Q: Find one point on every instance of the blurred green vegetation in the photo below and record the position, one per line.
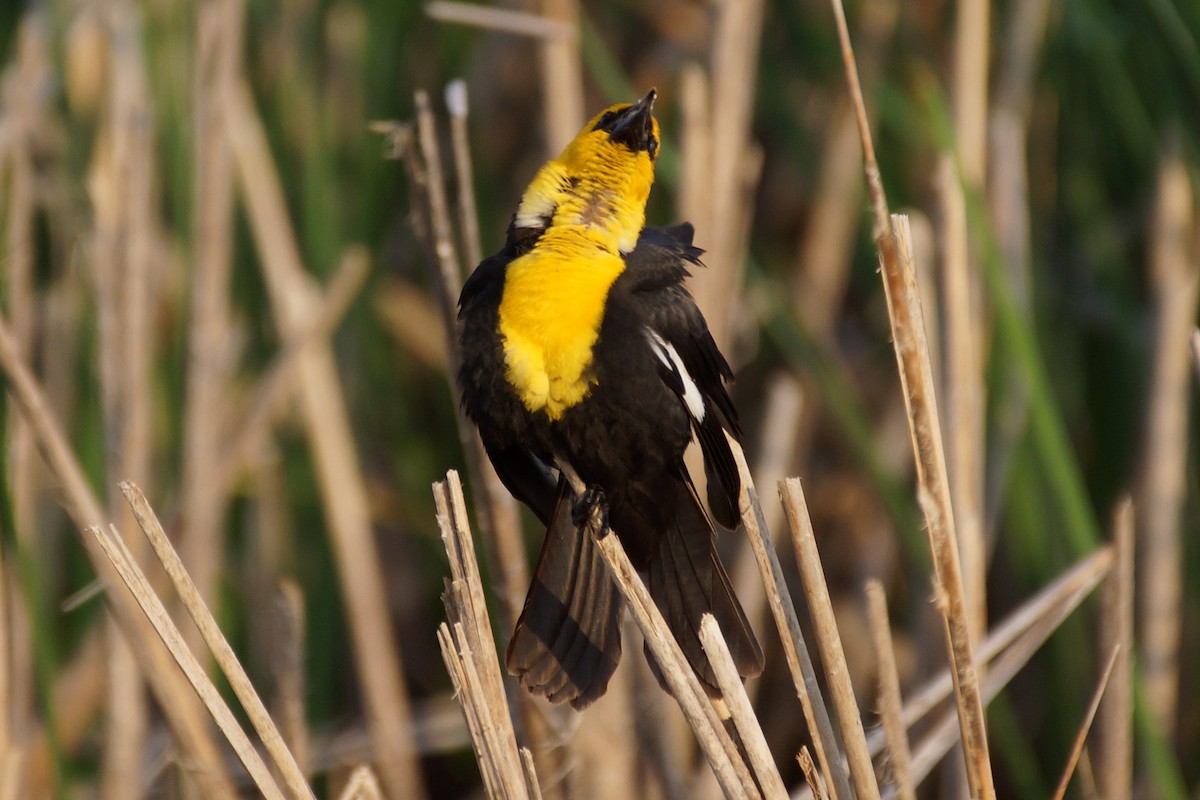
(1116, 83)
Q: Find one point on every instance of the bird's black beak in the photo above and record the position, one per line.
(635, 127)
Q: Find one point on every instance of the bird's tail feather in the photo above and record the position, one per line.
(568, 640)
(687, 581)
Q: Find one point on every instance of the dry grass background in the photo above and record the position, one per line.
(218, 294)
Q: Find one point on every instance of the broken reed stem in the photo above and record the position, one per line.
(531, 782)
(811, 776)
(327, 426)
(239, 681)
(742, 712)
(1162, 483)
(122, 561)
(837, 672)
(1115, 752)
(722, 755)
(1081, 737)
(498, 759)
(891, 706)
(184, 715)
(469, 649)
(804, 675)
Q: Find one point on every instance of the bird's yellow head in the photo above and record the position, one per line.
(599, 184)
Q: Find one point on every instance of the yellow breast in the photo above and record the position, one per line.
(550, 317)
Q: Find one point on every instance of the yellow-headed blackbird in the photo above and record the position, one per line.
(581, 345)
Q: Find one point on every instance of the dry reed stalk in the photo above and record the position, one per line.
(916, 377)
(470, 652)
(123, 195)
(829, 641)
(522, 23)
(1115, 754)
(895, 733)
(287, 670)
(377, 655)
(1162, 483)
(765, 772)
(135, 580)
(562, 76)
(804, 675)
(210, 356)
(413, 321)
(1081, 737)
(1008, 180)
(966, 397)
(811, 776)
(972, 48)
(457, 103)
(496, 510)
(244, 427)
(912, 356)
(239, 681)
(714, 740)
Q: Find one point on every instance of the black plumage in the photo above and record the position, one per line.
(655, 365)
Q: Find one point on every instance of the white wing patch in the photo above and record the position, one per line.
(669, 356)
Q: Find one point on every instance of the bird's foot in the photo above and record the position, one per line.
(591, 501)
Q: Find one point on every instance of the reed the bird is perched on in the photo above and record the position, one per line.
(581, 348)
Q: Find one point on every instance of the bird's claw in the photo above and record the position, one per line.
(591, 501)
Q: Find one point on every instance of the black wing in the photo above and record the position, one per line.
(690, 362)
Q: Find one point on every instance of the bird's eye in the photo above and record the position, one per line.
(652, 148)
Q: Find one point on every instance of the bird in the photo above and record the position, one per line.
(582, 350)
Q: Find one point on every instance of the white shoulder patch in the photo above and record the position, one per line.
(669, 356)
